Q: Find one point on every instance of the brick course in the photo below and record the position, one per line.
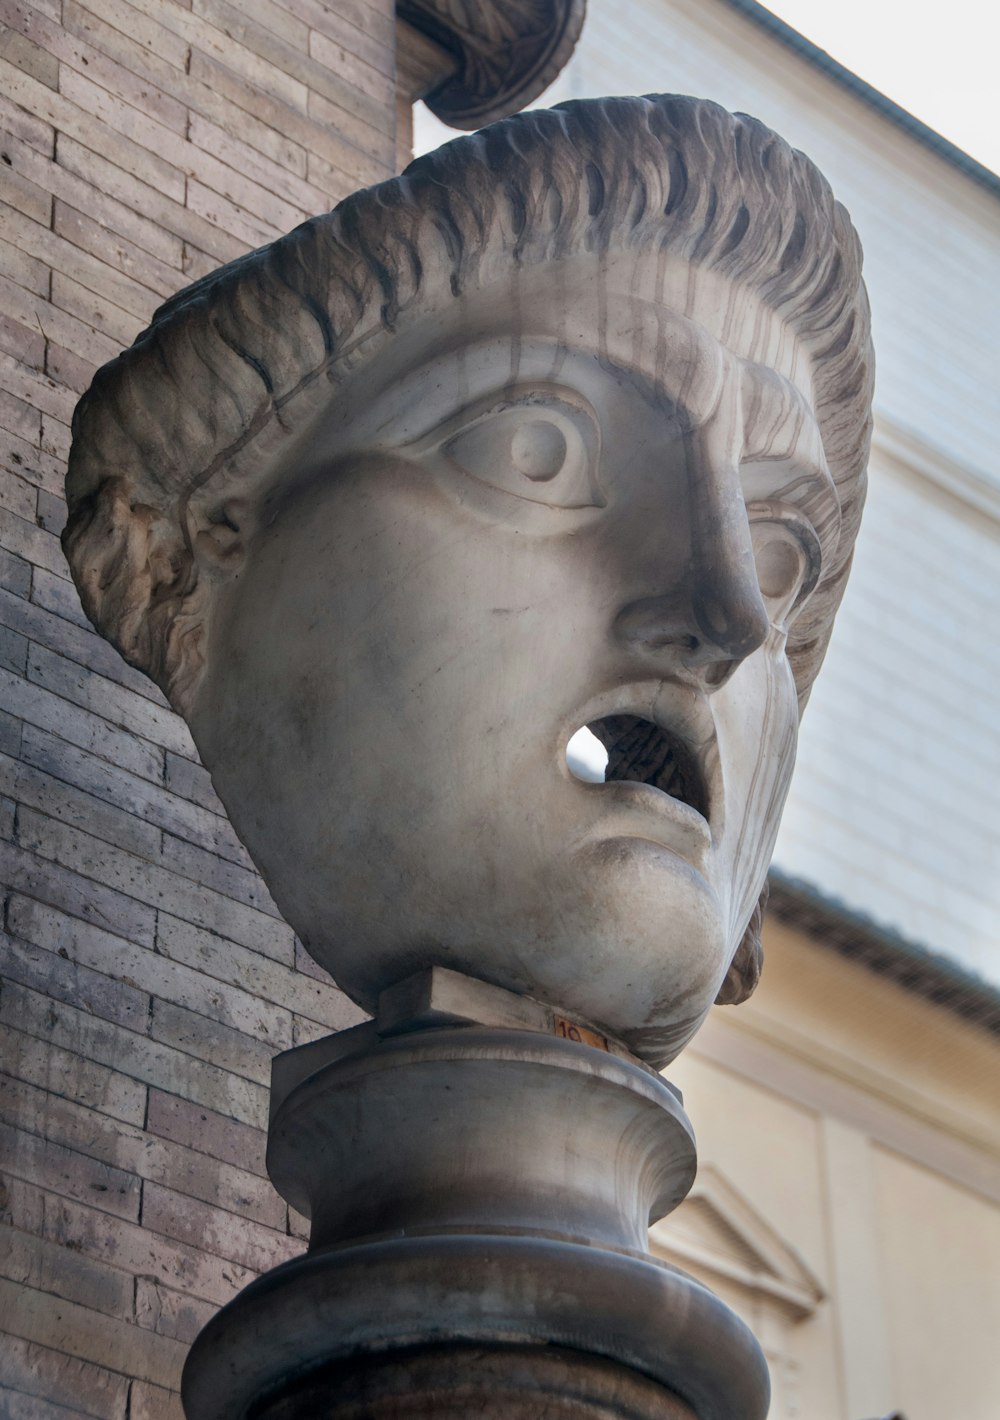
(147, 977)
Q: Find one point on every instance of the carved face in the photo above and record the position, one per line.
(514, 523)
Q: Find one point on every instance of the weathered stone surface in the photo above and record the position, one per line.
(476, 1188)
(503, 55)
(459, 1384)
(523, 443)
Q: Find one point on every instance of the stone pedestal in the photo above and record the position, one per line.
(480, 1173)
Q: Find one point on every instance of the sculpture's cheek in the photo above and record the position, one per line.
(757, 716)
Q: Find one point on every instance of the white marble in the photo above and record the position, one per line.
(578, 441)
(420, 624)
(479, 1177)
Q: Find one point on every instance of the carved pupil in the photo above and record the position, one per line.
(538, 450)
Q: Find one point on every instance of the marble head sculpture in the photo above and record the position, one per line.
(566, 426)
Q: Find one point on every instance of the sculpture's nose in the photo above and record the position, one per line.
(708, 615)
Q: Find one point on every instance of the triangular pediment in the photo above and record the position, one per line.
(719, 1232)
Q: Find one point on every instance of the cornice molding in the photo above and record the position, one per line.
(783, 1060)
(837, 927)
(894, 442)
(927, 137)
(507, 52)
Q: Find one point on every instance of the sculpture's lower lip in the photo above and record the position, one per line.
(628, 809)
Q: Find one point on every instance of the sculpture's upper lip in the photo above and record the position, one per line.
(664, 782)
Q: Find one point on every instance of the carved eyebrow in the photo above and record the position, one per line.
(525, 394)
(473, 372)
(782, 436)
(779, 426)
(777, 419)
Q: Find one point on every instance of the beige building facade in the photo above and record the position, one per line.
(849, 1200)
(851, 1129)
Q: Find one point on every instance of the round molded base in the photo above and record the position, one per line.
(468, 1383)
(466, 1295)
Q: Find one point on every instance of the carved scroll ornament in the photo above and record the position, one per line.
(508, 53)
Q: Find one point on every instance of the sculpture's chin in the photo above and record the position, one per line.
(655, 925)
(626, 936)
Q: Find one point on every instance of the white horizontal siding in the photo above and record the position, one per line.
(895, 805)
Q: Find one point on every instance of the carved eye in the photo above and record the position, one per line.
(788, 557)
(541, 448)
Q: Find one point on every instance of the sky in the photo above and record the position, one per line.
(940, 61)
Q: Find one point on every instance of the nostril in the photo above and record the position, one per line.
(735, 627)
(656, 624)
(655, 640)
(727, 622)
(716, 673)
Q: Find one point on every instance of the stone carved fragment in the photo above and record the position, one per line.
(506, 51)
(566, 426)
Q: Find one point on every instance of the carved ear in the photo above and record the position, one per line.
(745, 968)
(219, 534)
(139, 584)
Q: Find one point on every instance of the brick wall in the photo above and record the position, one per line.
(147, 978)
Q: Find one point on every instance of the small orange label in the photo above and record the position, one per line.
(569, 1030)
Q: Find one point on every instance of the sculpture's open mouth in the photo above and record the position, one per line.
(639, 751)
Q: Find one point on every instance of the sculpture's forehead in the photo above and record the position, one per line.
(680, 331)
(613, 330)
(647, 353)
(660, 315)
(644, 380)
